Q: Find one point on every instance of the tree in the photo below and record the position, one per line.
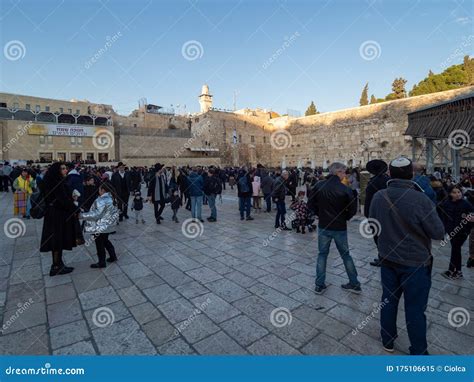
(398, 88)
(364, 97)
(373, 99)
(468, 64)
(430, 73)
(311, 110)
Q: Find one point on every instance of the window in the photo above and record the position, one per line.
(134, 125)
(61, 110)
(46, 157)
(79, 140)
(46, 108)
(103, 157)
(252, 139)
(76, 157)
(78, 111)
(90, 156)
(62, 157)
(42, 139)
(69, 111)
(240, 138)
(50, 139)
(37, 108)
(28, 106)
(73, 141)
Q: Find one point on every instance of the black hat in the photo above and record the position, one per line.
(401, 168)
(120, 164)
(158, 166)
(376, 166)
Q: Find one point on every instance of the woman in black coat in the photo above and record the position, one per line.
(59, 220)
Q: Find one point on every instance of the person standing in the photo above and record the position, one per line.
(122, 186)
(58, 232)
(267, 188)
(456, 215)
(408, 222)
(423, 181)
(244, 193)
(378, 169)
(196, 193)
(212, 188)
(334, 204)
(75, 181)
(279, 195)
(24, 186)
(100, 222)
(158, 192)
(7, 170)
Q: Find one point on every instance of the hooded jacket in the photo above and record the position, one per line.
(102, 217)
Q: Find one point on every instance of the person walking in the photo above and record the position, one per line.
(158, 192)
(279, 195)
(196, 193)
(58, 232)
(334, 204)
(100, 222)
(408, 222)
(212, 188)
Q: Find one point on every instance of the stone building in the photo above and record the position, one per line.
(35, 127)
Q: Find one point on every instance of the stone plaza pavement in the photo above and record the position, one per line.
(222, 292)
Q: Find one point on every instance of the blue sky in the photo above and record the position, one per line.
(273, 54)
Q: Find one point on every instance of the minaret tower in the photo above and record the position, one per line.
(205, 99)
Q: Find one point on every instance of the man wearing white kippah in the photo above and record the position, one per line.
(408, 222)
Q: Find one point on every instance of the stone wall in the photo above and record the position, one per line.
(354, 136)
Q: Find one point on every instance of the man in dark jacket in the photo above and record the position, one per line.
(267, 189)
(408, 222)
(378, 168)
(195, 183)
(212, 188)
(122, 185)
(334, 204)
(75, 181)
(279, 195)
(244, 192)
(158, 192)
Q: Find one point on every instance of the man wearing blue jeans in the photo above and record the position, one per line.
(196, 193)
(407, 221)
(279, 195)
(244, 192)
(334, 204)
(212, 188)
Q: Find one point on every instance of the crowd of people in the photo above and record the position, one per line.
(410, 209)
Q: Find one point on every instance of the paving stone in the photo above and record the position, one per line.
(204, 275)
(26, 315)
(58, 294)
(106, 315)
(177, 310)
(274, 297)
(21, 293)
(32, 341)
(227, 289)
(243, 330)
(98, 297)
(197, 329)
(79, 348)
(172, 275)
(119, 281)
(124, 337)
(214, 307)
(64, 312)
(160, 331)
(323, 344)
(279, 284)
(175, 347)
(271, 345)
(192, 289)
(68, 334)
(148, 282)
(241, 279)
(160, 294)
(144, 313)
(136, 270)
(131, 296)
(84, 282)
(217, 344)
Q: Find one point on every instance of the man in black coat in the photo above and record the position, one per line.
(378, 168)
(122, 185)
(158, 192)
(334, 204)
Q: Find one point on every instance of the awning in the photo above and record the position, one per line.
(439, 121)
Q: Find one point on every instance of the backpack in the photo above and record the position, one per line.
(38, 205)
(243, 184)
